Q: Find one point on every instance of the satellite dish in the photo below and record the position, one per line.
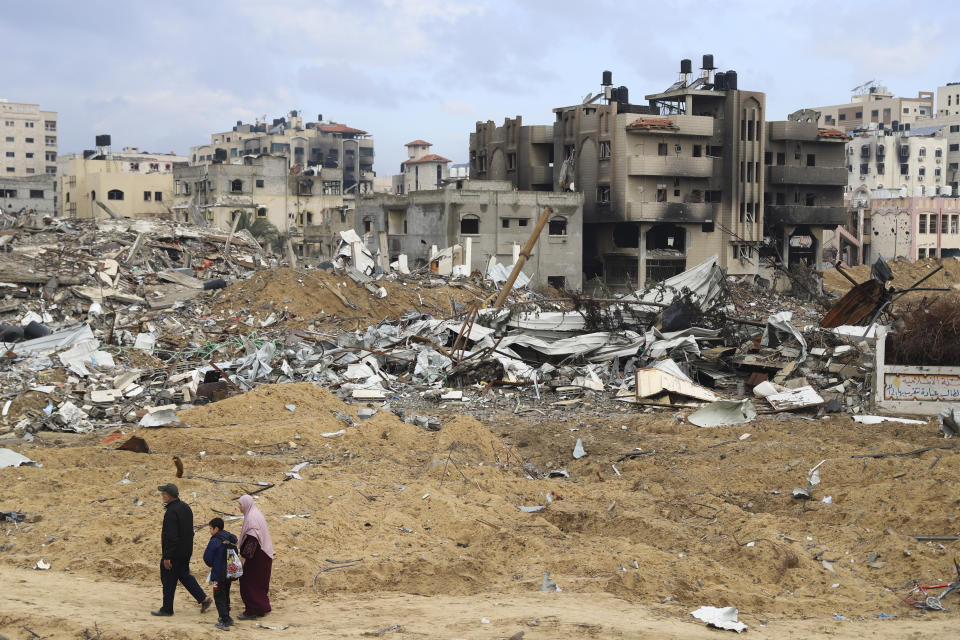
(587, 98)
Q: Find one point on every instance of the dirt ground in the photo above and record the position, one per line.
(305, 296)
(659, 518)
(905, 274)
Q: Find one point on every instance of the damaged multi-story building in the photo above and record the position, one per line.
(299, 204)
(307, 191)
(695, 171)
(488, 219)
(331, 145)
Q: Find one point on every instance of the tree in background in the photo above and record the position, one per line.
(262, 229)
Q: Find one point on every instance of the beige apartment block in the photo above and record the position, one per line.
(422, 170)
(304, 144)
(872, 103)
(516, 152)
(305, 206)
(131, 183)
(28, 140)
(948, 100)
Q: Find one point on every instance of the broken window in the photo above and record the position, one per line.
(557, 282)
(922, 223)
(147, 196)
(523, 221)
(604, 149)
(954, 224)
(781, 198)
(944, 224)
(666, 237)
(36, 193)
(511, 161)
(698, 151)
(115, 194)
(158, 196)
(811, 199)
(262, 212)
(558, 226)
(603, 193)
(768, 157)
(781, 158)
(662, 149)
(236, 186)
(259, 183)
(505, 223)
(661, 194)
(470, 225)
(626, 235)
(921, 253)
(811, 160)
(880, 168)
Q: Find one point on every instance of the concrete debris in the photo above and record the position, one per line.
(10, 458)
(720, 618)
(723, 412)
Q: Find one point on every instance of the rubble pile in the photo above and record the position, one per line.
(150, 318)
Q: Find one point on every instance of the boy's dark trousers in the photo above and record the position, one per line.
(221, 597)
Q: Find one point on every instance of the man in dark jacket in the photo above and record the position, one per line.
(176, 541)
(215, 556)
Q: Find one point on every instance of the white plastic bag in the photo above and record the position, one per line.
(234, 566)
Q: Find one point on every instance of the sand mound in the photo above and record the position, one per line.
(436, 513)
(905, 274)
(308, 296)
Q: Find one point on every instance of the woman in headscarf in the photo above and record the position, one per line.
(256, 553)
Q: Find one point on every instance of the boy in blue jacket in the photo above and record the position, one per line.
(215, 556)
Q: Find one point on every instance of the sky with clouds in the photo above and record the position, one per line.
(165, 75)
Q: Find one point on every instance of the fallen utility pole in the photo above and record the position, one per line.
(524, 255)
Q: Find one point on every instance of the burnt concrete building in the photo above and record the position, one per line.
(669, 183)
(521, 154)
(493, 217)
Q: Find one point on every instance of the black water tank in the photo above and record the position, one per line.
(708, 61)
(103, 140)
(720, 81)
(686, 66)
(732, 80)
(88, 153)
(623, 95)
(607, 78)
(239, 123)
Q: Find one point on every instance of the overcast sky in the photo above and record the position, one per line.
(165, 75)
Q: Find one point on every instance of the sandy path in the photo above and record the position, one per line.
(119, 610)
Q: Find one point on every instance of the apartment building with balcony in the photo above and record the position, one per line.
(305, 206)
(305, 144)
(915, 158)
(422, 170)
(670, 183)
(490, 216)
(130, 183)
(28, 140)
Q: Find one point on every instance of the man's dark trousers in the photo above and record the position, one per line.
(179, 572)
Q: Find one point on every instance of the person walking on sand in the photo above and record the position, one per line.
(176, 542)
(256, 554)
(215, 557)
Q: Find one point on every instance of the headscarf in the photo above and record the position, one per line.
(255, 525)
